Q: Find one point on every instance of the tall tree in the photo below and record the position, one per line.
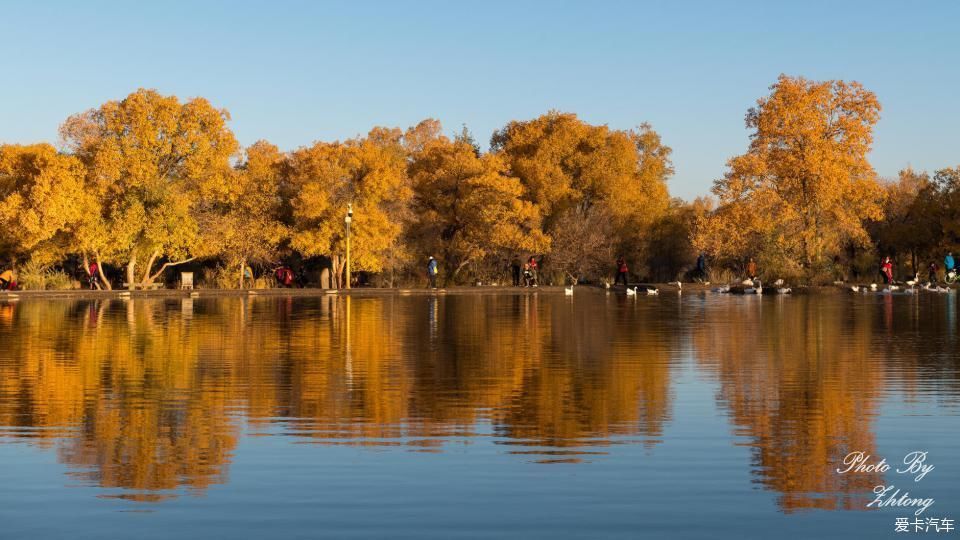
(804, 187)
(948, 185)
(570, 166)
(467, 208)
(150, 159)
(911, 224)
(369, 174)
(243, 218)
(42, 201)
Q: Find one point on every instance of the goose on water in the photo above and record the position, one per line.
(873, 286)
(914, 281)
(722, 289)
(568, 290)
(677, 284)
(855, 288)
(631, 292)
(783, 290)
(652, 291)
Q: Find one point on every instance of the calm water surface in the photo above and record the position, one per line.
(533, 416)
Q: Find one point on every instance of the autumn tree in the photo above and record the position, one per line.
(242, 217)
(804, 187)
(42, 199)
(911, 224)
(467, 208)
(367, 173)
(672, 248)
(150, 158)
(947, 182)
(571, 167)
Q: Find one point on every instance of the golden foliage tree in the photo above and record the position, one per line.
(467, 207)
(370, 174)
(150, 159)
(570, 166)
(42, 200)
(243, 216)
(804, 187)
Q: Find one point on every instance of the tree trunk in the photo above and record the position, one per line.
(339, 264)
(103, 277)
(456, 271)
(132, 272)
(146, 270)
(243, 264)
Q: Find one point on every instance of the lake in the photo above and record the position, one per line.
(476, 415)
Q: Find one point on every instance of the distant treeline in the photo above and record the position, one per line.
(151, 183)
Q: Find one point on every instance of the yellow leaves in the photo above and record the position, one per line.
(467, 207)
(41, 194)
(804, 186)
(150, 161)
(568, 165)
(370, 174)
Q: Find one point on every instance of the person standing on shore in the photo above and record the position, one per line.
(93, 275)
(886, 268)
(534, 270)
(622, 271)
(515, 269)
(948, 262)
(932, 274)
(432, 272)
(702, 267)
(752, 269)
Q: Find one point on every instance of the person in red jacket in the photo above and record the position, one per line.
(887, 269)
(534, 271)
(622, 271)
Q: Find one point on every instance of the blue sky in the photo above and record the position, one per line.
(296, 72)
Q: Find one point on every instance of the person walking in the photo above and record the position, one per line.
(93, 275)
(702, 267)
(432, 272)
(515, 268)
(622, 271)
(887, 270)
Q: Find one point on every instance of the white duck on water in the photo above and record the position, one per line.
(568, 290)
(631, 292)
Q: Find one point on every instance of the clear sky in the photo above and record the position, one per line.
(296, 72)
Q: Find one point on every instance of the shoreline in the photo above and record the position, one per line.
(84, 294)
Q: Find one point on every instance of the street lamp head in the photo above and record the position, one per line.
(349, 217)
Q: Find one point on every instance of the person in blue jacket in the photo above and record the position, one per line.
(432, 272)
(948, 262)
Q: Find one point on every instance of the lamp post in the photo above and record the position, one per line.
(347, 221)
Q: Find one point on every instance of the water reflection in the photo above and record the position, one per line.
(145, 397)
